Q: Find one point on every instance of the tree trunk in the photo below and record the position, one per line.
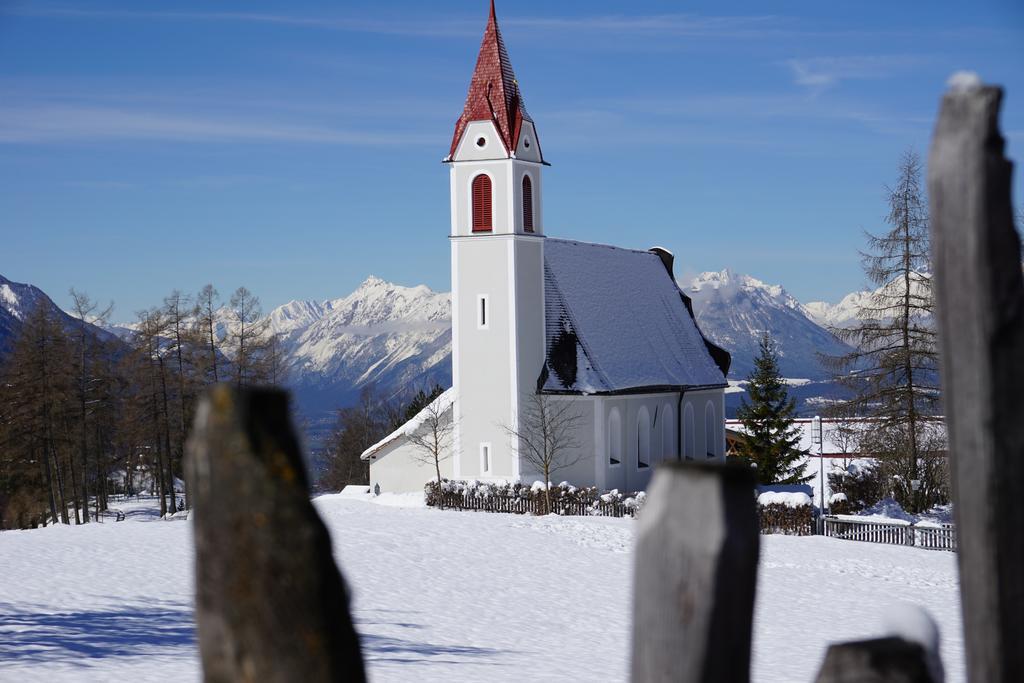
(158, 442)
(49, 485)
(167, 439)
(83, 444)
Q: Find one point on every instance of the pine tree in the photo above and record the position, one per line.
(768, 420)
(420, 401)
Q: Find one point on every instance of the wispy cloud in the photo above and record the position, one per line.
(678, 25)
(822, 72)
(672, 25)
(43, 124)
(426, 28)
(681, 25)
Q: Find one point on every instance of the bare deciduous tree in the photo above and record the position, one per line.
(206, 309)
(432, 438)
(247, 336)
(546, 435)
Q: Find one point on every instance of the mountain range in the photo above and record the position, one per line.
(17, 300)
(399, 338)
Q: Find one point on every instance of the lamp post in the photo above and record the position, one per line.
(816, 440)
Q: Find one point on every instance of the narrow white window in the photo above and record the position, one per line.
(614, 438)
(485, 458)
(643, 439)
(689, 441)
(711, 431)
(483, 313)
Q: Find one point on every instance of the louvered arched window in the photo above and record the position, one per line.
(527, 204)
(482, 204)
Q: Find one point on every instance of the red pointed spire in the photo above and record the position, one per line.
(493, 92)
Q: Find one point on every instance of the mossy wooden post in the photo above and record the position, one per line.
(695, 575)
(976, 260)
(270, 603)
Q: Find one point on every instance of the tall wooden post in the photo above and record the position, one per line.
(695, 575)
(980, 308)
(271, 604)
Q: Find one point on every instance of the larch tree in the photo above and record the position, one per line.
(206, 324)
(247, 336)
(771, 437)
(149, 343)
(176, 310)
(88, 350)
(893, 370)
(38, 390)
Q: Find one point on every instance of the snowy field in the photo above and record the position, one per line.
(441, 595)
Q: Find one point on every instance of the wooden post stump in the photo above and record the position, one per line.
(979, 292)
(270, 603)
(882, 660)
(695, 575)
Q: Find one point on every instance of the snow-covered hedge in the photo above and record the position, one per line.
(566, 499)
(790, 513)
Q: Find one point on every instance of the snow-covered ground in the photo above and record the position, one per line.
(441, 595)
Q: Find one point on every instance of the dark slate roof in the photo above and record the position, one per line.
(616, 322)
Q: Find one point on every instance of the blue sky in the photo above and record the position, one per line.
(295, 148)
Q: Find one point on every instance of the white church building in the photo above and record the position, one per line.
(606, 328)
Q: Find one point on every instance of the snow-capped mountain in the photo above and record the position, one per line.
(17, 300)
(384, 334)
(847, 312)
(734, 310)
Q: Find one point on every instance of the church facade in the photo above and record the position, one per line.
(539, 319)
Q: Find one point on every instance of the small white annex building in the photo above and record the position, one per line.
(604, 327)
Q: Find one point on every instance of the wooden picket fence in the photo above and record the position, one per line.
(929, 537)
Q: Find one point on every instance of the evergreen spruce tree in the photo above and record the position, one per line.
(768, 420)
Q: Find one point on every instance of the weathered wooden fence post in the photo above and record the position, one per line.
(980, 308)
(695, 575)
(270, 603)
(881, 660)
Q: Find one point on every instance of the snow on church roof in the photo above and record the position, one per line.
(441, 404)
(616, 322)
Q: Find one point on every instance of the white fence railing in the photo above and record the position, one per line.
(928, 536)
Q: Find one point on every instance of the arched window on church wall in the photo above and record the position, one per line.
(710, 431)
(643, 438)
(614, 438)
(668, 435)
(482, 204)
(527, 204)
(689, 440)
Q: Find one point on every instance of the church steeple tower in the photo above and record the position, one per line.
(497, 242)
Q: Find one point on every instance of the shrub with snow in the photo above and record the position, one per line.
(566, 499)
(861, 482)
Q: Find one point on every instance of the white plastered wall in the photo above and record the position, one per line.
(398, 468)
